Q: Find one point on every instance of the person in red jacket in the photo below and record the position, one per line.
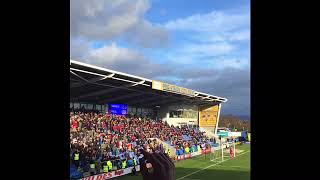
(74, 124)
(231, 153)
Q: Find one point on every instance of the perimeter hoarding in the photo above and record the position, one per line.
(111, 174)
(223, 134)
(234, 134)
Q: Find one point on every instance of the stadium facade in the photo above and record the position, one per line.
(97, 88)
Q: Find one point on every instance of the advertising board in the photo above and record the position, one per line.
(234, 134)
(112, 174)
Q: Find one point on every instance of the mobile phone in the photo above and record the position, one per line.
(148, 165)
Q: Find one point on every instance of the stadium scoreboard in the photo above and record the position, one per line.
(118, 109)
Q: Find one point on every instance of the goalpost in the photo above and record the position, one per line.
(222, 152)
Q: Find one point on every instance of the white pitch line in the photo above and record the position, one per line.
(207, 167)
(232, 166)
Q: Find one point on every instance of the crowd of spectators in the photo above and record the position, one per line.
(103, 142)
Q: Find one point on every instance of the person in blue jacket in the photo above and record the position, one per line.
(74, 173)
(130, 163)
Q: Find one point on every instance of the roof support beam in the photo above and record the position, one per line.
(112, 77)
(110, 89)
(107, 70)
(90, 81)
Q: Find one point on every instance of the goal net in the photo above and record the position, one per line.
(225, 151)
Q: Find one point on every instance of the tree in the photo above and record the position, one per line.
(231, 121)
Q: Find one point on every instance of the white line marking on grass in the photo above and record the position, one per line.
(208, 167)
(232, 166)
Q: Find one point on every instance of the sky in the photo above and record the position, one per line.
(203, 45)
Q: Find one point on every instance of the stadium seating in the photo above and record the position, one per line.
(102, 137)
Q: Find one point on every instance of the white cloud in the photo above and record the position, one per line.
(79, 48)
(125, 60)
(222, 63)
(216, 21)
(209, 49)
(111, 54)
(213, 27)
(105, 18)
(240, 35)
(213, 38)
(110, 19)
(192, 53)
(237, 35)
(152, 36)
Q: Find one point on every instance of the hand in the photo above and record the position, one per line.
(162, 167)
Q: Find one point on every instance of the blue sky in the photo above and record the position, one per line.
(166, 10)
(199, 44)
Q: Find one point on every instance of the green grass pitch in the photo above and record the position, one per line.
(202, 168)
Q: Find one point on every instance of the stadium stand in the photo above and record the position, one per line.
(98, 138)
(157, 116)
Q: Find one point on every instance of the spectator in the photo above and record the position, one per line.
(99, 138)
